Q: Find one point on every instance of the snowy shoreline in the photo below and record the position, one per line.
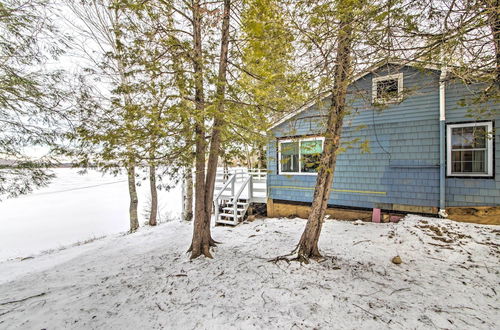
(73, 208)
(145, 280)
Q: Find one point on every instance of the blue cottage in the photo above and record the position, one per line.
(414, 140)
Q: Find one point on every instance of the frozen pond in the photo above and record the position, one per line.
(74, 208)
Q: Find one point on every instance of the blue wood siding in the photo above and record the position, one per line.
(402, 166)
(477, 191)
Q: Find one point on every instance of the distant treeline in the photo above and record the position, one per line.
(6, 163)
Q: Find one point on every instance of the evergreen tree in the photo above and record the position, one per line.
(158, 60)
(464, 35)
(108, 131)
(270, 80)
(340, 39)
(31, 97)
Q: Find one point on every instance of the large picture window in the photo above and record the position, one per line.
(300, 156)
(470, 149)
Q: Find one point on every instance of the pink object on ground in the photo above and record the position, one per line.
(376, 215)
(395, 218)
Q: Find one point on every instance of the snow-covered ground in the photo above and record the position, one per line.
(448, 279)
(71, 209)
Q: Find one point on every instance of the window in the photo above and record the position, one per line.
(300, 156)
(289, 157)
(310, 152)
(387, 89)
(470, 149)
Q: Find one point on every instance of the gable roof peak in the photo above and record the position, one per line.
(367, 71)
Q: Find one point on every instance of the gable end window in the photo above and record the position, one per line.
(387, 89)
(470, 149)
(299, 156)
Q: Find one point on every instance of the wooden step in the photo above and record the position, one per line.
(227, 222)
(231, 209)
(238, 203)
(230, 215)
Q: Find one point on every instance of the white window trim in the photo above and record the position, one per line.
(399, 77)
(489, 149)
(299, 140)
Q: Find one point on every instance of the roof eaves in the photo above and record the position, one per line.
(305, 106)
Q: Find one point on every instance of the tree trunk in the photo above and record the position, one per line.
(201, 232)
(226, 170)
(262, 156)
(308, 244)
(154, 196)
(130, 158)
(249, 157)
(215, 141)
(202, 239)
(188, 199)
(134, 220)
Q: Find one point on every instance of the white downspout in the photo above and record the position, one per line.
(442, 143)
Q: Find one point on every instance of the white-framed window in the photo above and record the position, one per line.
(300, 155)
(387, 89)
(470, 149)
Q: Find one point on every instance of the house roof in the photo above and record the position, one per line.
(372, 69)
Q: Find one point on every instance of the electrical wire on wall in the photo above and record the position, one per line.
(376, 136)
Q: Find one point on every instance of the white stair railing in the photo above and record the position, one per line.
(217, 196)
(234, 210)
(238, 194)
(258, 173)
